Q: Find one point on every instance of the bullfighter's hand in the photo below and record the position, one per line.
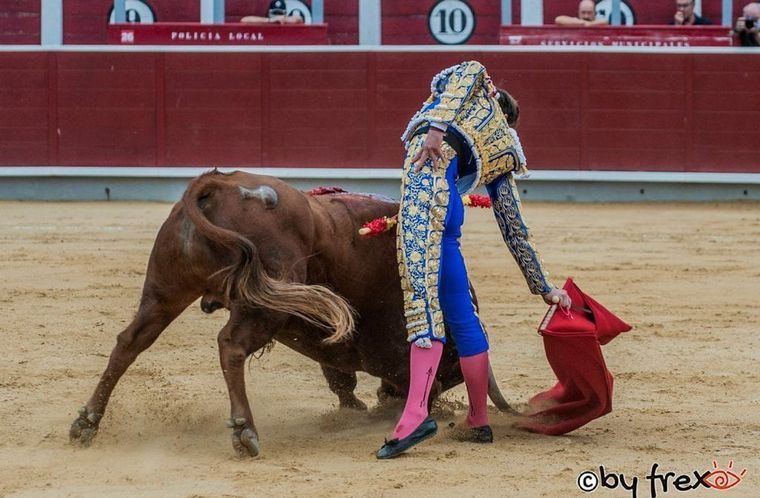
(558, 296)
(431, 149)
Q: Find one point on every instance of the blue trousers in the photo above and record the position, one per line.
(453, 287)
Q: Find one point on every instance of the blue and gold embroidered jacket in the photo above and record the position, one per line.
(463, 100)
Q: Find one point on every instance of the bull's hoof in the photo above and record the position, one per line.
(386, 393)
(353, 403)
(85, 427)
(245, 441)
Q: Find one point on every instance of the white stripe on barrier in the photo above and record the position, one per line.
(189, 172)
(381, 48)
(374, 173)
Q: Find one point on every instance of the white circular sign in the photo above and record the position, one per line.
(136, 11)
(604, 11)
(298, 8)
(451, 22)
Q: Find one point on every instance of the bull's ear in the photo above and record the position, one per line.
(267, 195)
(203, 199)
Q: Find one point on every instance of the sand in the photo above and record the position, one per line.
(686, 378)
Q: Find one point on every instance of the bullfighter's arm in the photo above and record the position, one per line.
(506, 208)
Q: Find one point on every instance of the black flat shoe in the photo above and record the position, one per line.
(395, 447)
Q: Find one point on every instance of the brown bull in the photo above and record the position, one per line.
(289, 267)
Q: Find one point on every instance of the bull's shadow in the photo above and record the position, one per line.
(290, 267)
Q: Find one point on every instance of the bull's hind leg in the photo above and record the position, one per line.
(343, 385)
(388, 392)
(241, 336)
(153, 316)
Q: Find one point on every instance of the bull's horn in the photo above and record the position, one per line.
(495, 394)
(264, 193)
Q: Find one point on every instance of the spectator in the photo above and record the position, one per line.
(586, 16)
(685, 15)
(747, 27)
(277, 13)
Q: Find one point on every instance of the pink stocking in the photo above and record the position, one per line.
(423, 365)
(475, 370)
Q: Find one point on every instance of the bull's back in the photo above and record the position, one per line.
(362, 268)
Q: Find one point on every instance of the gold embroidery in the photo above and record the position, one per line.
(424, 203)
(462, 99)
(506, 209)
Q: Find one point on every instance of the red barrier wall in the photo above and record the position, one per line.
(341, 16)
(86, 21)
(20, 22)
(580, 110)
(620, 36)
(404, 21)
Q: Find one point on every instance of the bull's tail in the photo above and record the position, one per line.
(246, 279)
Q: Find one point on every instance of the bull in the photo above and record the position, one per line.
(290, 267)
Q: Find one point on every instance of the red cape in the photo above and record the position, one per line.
(572, 340)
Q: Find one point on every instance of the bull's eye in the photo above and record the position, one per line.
(724, 479)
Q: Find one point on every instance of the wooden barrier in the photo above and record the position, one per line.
(581, 110)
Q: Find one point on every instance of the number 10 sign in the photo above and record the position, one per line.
(451, 22)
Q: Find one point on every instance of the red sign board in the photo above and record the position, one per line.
(622, 36)
(217, 34)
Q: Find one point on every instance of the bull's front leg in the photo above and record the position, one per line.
(241, 336)
(153, 316)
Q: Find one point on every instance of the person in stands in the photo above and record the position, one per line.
(586, 16)
(277, 14)
(747, 25)
(685, 15)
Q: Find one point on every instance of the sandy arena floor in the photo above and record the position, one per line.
(687, 377)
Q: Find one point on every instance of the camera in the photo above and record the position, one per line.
(750, 22)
